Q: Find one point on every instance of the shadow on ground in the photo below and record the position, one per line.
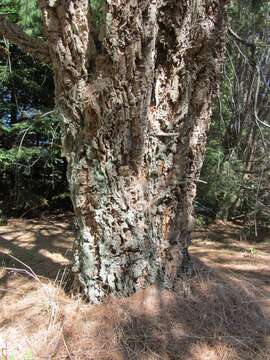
(212, 317)
(220, 314)
(44, 245)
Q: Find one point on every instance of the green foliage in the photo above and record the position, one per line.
(3, 220)
(200, 221)
(32, 171)
(222, 180)
(30, 16)
(24, 85)
(10, 8)
(26, 355)
(31, 166)
(97, 10)
(25, 13)
(253, 251)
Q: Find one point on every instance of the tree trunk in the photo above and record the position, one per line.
(136, 105)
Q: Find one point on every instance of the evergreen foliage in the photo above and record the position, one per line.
(31, 167)
(25, 13)
(32, 171)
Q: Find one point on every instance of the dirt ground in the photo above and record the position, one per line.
(222, 313)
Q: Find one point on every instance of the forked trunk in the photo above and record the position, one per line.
(136, 107)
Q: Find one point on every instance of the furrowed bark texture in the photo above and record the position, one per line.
(136, 105)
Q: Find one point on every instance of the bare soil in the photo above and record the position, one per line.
(222, 313)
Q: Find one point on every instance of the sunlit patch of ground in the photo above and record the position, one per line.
(223, 313)
(222, 247)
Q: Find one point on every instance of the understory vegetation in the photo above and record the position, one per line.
(235, 174)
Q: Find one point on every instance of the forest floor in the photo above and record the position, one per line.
(222, 313)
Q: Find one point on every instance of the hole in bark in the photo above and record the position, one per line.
(122, 241)
(112, 249)
(105, 287)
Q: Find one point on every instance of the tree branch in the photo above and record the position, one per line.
(243, 41)
(17, 36)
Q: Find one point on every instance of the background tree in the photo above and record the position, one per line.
(236, 167)
(135, 90)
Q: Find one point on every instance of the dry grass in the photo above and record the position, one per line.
(217, 315)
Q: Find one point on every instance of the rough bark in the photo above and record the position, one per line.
(136, 105)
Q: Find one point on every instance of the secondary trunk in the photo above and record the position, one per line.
(136, 106)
